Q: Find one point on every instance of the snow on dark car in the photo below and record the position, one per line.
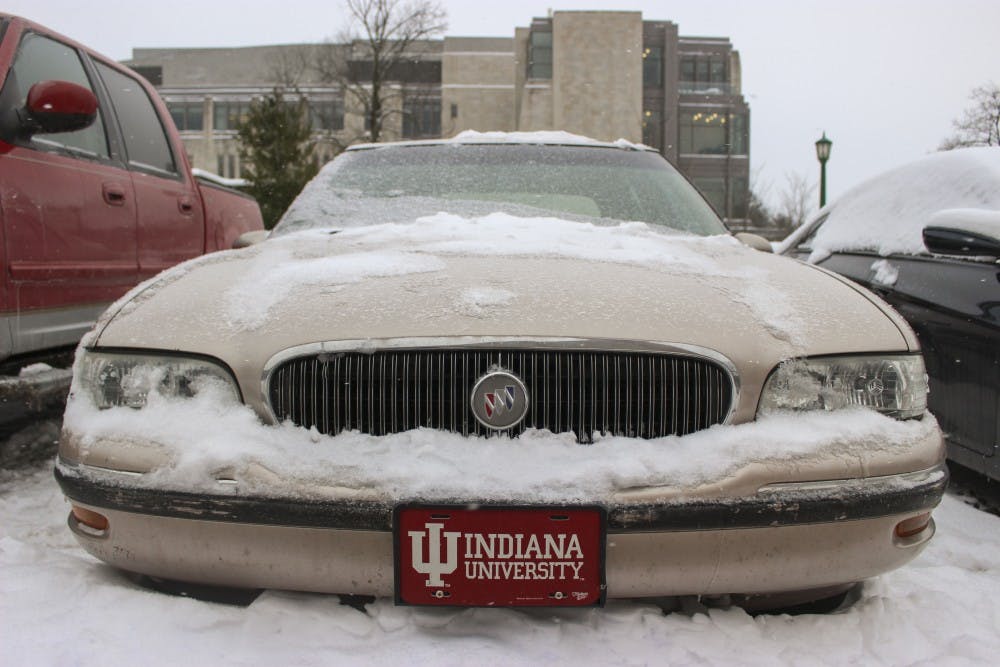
(926, 237)
(504, 369)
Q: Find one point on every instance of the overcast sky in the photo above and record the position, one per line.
(883, 78)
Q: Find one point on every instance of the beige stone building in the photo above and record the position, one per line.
(604, 74)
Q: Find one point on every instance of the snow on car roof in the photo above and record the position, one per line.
(888, 213)
(548, 138)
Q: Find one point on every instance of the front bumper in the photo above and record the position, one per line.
(786, 537)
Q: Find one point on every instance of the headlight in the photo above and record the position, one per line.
(113, 379)
(893, 385)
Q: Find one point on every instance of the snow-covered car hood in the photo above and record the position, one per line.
(499, 276)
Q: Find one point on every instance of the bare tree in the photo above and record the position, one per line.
(384, 32)
(795, 202)
(757, 211)
(289, 66)
(980, 123)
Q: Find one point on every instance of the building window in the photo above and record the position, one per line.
(326, 115)
(652, 129)
(714, 190)
(540, 55)
(188, 116)
(687, 69)
(705, 74)
(404, 71)
(228, 115)
(717, 189)
(421, 117)
(228, 166)
(739, 196)
(652, 67)
(718, 71)
(713, 133)
(454, 111)
(701, 70)
(704, 133)
(738, 136)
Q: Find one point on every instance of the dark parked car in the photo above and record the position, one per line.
(926, 237)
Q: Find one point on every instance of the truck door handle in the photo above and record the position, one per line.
(185, 204)
(114, 194)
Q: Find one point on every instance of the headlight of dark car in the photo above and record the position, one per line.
(123, 379)
(893, 385)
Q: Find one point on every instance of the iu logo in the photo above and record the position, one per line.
(499, 400)
(434, 567)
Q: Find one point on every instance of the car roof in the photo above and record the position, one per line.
(545, 138)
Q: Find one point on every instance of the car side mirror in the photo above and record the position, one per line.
(946, 241)
(247, 239)
(58, 106)
(754, 241)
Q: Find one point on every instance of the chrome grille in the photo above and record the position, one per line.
(644, 395)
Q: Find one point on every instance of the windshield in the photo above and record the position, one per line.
(592, 184)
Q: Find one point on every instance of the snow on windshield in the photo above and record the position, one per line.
(887, 213)
(603, 184)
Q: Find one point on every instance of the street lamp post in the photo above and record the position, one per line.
(823, 154)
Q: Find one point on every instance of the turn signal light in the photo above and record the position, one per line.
(90, 519)
(913, 525)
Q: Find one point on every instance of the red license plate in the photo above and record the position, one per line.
(499, 556)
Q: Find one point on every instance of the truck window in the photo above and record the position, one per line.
(145, 139)
(40, 58)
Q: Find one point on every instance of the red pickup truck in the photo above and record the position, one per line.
(96, 192)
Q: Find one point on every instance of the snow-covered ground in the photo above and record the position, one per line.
(60, 606)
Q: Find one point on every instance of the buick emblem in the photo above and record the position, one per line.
(499, 400)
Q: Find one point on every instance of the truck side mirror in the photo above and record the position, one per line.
(58, 106)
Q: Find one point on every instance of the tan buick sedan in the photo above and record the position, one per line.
(503, 369)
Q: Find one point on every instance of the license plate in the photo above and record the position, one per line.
(499, 556)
